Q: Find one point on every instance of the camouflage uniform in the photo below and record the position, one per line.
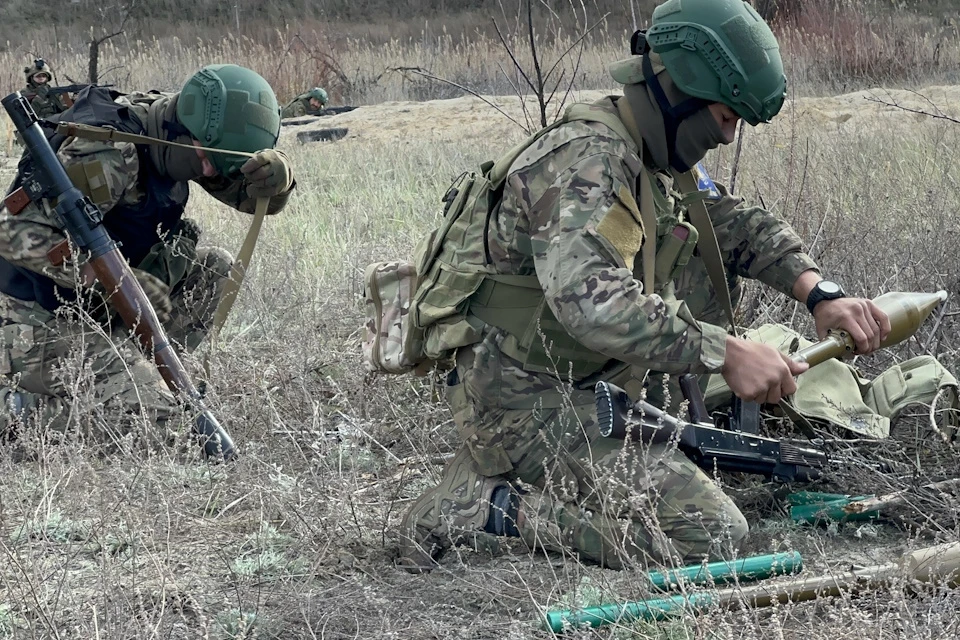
(43, 102)
(300, 106)
(56, 354)
(569, 215)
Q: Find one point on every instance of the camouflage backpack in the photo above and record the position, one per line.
(394, 335)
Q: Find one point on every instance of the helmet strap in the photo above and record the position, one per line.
(673, 116)
(175, 129)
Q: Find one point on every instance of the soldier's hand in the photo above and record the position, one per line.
(866, 323)
(157, 292)
(189, 229)
(268, 174)
(758, 372)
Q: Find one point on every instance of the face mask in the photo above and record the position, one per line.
(697, 135)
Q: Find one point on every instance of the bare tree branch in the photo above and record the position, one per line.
(430, 76)
(536, 65)
(513, 58)
(937, 116)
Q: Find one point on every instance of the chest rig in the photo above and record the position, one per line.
(458, 295)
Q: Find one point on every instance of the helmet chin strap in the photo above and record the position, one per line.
(673, 116)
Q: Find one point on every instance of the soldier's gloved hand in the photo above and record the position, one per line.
(268, 174)
(157, 292)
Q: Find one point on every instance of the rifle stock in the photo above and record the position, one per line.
(82, 221)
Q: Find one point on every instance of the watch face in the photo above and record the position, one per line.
(828, 287)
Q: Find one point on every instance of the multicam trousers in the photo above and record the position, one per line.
(614, 502)
(75, 374)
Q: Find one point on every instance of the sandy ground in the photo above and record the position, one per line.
(470, 118)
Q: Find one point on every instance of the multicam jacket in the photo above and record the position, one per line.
(569, 216)
(140, 205)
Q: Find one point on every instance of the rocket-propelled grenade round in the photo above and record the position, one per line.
(906, 310)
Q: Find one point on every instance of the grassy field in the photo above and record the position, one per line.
(297, 538)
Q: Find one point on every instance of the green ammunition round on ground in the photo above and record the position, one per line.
(752, 568)
(745, 569)
(649, 610)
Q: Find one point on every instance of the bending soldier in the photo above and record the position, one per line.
(310, 103)
(550, 289)
(64, 357)
(44, 103)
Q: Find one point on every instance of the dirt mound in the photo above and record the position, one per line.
(471, 118)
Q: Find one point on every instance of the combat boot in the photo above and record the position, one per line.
(463, 506)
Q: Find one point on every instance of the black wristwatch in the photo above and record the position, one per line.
(824, 290)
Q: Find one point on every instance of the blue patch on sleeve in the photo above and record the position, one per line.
(705, 182)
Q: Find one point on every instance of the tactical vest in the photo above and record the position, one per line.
(458, 295)
(136, 228)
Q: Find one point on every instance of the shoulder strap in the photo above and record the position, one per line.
(648, 250)
(94, 132)
(501, 168)
(624, 125)
(239, 268)
(708, 245)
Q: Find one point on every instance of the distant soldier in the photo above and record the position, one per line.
(310, 103)
(37, 90)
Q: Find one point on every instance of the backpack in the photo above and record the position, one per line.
(399, 309)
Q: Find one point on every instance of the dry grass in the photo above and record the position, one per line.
(297, 539)
(831, 46)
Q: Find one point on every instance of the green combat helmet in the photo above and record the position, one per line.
(721, 51)
(318, 94)
(225, 106)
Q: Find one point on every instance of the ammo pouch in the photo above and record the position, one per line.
(391, 341)
(674, 252)
(834, 393)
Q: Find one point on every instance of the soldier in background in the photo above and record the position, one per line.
(548, 290)
(44, 103)
(310, 103)
(64, 361)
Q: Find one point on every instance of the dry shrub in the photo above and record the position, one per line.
(856, 44)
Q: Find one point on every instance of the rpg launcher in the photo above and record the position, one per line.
(82, 221)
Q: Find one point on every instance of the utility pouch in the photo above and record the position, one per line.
(391, 341)
(675, 251)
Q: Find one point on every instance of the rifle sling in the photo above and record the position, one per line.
(708, 245)
(93, 132)
(239, 268)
